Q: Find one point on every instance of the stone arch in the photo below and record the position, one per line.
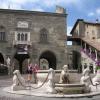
(50, 57)
(1, 58)
(76, 60)
(21, 61)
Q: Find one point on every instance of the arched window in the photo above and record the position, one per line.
(18, 37)
(25, 37)
(43, 35)
(22, 37)
(2, 33)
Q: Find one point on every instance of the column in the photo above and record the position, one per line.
(90, 51)
(96, 55)
(85, 47)
(94, 68)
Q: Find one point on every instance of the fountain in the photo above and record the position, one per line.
(56, 83)
(64, 86)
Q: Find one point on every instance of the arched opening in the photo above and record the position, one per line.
(3, 69)
(50, 57)
(76, 60)
(1, 59)
(21, 58)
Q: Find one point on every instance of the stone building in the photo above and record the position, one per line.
(85, 42)
(36, 37)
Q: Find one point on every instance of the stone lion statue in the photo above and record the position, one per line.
(18, 81)
(64, 76)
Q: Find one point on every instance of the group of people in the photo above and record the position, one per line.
(32, 70)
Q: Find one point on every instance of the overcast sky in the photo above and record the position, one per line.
(88, 10)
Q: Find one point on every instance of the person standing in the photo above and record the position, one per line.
(35, 70)
(29, 70)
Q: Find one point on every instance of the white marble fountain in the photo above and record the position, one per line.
(56, 83)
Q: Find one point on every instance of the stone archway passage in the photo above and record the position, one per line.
(76, 60)
(20, 58)
(50, 57)
(1, 59)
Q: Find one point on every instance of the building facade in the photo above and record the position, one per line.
(36, 37)
(86, 35)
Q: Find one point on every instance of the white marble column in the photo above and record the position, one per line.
(85, 47)
(90, 51)
(96, 55)
(94, 68)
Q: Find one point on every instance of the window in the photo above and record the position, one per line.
(26, 37)
(43, 35)
(2, 33)
(18, 37)
(23, 36)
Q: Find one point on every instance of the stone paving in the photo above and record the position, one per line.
(7, 81)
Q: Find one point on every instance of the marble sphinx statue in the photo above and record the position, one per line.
(64, 76)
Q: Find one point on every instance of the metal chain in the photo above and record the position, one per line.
(32, 86)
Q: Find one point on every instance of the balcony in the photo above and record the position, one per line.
(22, 42)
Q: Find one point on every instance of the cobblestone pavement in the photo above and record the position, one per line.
(7, 81)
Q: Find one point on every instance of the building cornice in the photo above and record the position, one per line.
(32, 12)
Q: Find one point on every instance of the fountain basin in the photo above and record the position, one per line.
(74, 76)
(70, 88)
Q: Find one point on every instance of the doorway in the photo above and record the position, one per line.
(50, 57)
(20, 58)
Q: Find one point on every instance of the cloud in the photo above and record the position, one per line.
(95, 13)
(91, 14)
(98, 11)
(42, 3)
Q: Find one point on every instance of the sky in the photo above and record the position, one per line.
(89, 10)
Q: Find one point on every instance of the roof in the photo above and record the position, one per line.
(94, 44)
(76, 23)
(32, 12)
(86, 22)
